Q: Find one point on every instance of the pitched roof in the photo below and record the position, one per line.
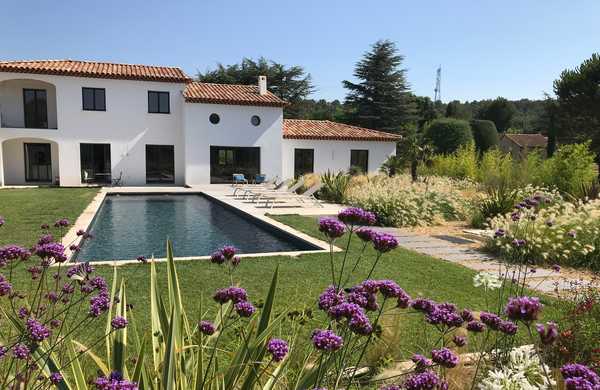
(327, 130)
(241, 95)
(105, 70)
(528, 140)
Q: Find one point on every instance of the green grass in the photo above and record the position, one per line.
(26, 209)
(301, 281)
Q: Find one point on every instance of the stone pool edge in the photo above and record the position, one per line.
(85, 219)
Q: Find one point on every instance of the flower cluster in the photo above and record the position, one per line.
(114, 381)
(354, 216)
(239, 297)
(580, 377)
(444, 357)
(523, 308)
(37, 331)
(206, 327)
(548, 333)
(50, 252)
(383, 242)
(5, 286)
(487, 280)
(10, 253)
(118, 323)
(331, 228)
(278, 349)
(326, 340)
(426, 380)
(225, 254)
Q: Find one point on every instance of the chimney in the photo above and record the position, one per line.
(262, 85)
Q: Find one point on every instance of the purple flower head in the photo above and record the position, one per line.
(37, 331)
(244, 309)
(54, 323)
(80, 232)
(326, 340)
(424, 305)
(235, 261)
(580, 377)
(444, 357)
(556, 268)
(55, 378)
(228, 251)
(330, 298)
(206, 327)
(331, 227)
(499, 233)
(365, 235)
(467, 315)
(344, 310)
(99, 304)
(52, 251)
(114, 381)
(356, 216)
(20, 351)
(421, 362)
(9, 253)
(142, 259)
(444, 314)
(360, 324)
(490, 319)
(383, 242)
(45, 239)
(572, 233)
(118, 323)
(217, 257)
(549, 333)
(99, 283)
(515, 216)
(278, 349)
(475, 326)
(389, 289)
(52, 296)
(74, 248)
(509, 328)
(235, 294)
(403, 299)
(23, 312)
(3, 351)
(5, 286)
(523, 308)
(63, 222)
(427, 380)
(518, 243)
(459, 341)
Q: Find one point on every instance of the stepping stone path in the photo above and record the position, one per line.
(460, 250)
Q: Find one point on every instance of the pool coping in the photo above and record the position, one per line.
(86, 218)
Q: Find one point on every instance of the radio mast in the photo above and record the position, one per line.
(438, 85)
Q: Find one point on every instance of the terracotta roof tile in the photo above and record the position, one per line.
(97, 70)
(243, 95)
(327, 130)
(528, 140)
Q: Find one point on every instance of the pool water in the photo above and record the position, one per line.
(128, 226)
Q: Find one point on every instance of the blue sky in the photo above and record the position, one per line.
(486, 48)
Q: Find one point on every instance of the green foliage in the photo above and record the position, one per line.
(498, 201)
(447, 135)
(500, 111)
(485, 134)
(291, 83)
(381, 100)
(460, 165)
(455, 109)
(335, 186)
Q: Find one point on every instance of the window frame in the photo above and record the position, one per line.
(40, 117)
(93, 89)
(303, 152)
(158, 94)
(358, 151)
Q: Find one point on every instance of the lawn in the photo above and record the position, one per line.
(302, 278)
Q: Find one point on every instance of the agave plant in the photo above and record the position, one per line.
(335, 186)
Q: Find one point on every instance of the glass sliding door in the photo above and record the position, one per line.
(227, 160)
(35, 108)
(38, 163)
(304, 161)
(95, 163)
(160, 164)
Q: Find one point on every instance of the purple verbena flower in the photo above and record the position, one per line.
(63, 222)
(235, 294)
(389, 289)
(499, 233)
(523, 308)
(49, 252)
(509, 328)
(217, 257)
(492, 320)
(228, 251)
(20, 351)
(549, 333)
(37, 331)
(383, 242)
(331, 227)
(330, 298)
(326, 340)
(5, 286)
(99, 304)
(114, 381)
(365, 235)
(356, 216)
(118, 322)
(9, 253)
(206, 327)
(580, 377)
(467, 315)
(244, 309)
(55, 378)
(475, 326)
(142, 259)
(427, 380)
(278, 349)
(459, 341)
(360, 324)
(421, 362)
(444, 357)
(424, 305)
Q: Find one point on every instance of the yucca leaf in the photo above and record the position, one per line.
(102, 366)
(155, 313)
(113, 291)
(168, 369)
(78, 374)
(119, 347)
(139, 364)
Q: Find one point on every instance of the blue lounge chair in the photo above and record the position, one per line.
(239, 178)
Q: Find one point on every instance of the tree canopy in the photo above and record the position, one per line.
(500, 111)
(381, 98)
(290, 83)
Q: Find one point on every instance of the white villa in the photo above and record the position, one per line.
(76, 123)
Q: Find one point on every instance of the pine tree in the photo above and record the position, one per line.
(381, 100)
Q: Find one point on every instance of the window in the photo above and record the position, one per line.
(158, 102)
(38, 162)
(214, 118)
(94, 99)
(255, 120)
(95, 163)
(160, 164)
(304, 161)
(227, 160)
(359, 159)
(35, 108)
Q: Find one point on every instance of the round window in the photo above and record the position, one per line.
(214, 118)
(255, 120)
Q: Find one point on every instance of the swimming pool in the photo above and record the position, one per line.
(128, 226)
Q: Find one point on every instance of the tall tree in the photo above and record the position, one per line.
(578, 96)
(455, 109)
(500, 111)
(381, 99)
(290, 83)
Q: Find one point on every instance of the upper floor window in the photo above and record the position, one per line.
(158, 102)
(36, 108)
(94, 99)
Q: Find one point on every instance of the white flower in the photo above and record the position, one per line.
(487, 280)
(523, 372)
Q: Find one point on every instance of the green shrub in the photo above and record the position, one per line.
(498, 201)
(335, 186)
(459, 165)
(485, 134)
(447, 135)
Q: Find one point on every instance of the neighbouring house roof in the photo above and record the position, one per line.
(105, 70)
(241, 95)
(327, 130)
(528, 140)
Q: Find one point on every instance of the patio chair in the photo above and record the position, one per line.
(118, 181)
(266, 185)
(307, 196)
(259, 178)
(256, 195)
(239, 178)
(87, 177)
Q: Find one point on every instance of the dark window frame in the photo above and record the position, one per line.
(94, 103)
(353, 152)
(312, 163)
(158, 94)
(92, 147)
(36, 114)
(26, 157)
(227, 160)
(171, 164)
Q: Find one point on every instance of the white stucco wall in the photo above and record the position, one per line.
(335, 155)
(234, 129)
(11, 101)
(13, 159)
(126, 125)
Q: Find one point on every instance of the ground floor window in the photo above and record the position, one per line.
(304, 161)
(160, 164)
(95, 163)
(38, 162)
(359, 160)
(227, 160)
